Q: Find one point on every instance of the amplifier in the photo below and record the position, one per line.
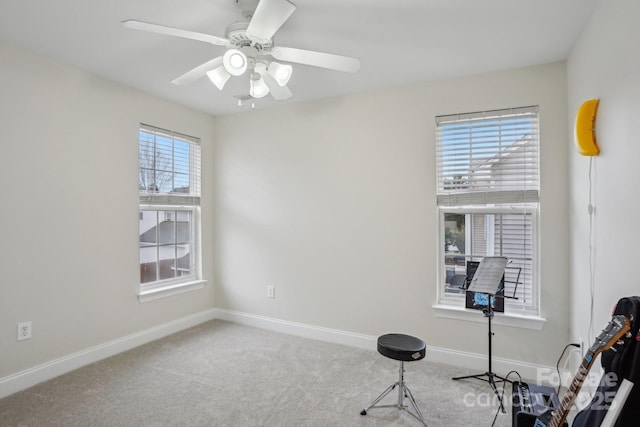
(531, 401)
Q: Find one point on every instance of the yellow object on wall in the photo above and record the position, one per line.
(585, 128)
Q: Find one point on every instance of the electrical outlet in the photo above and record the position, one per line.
(24, 331)
(271, 291)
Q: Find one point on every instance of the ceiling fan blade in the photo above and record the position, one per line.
(317, 59)
(176, 32)
(198, 72)
(268, 18)
(279, 93)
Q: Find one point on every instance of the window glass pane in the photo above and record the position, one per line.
(163, 181)
(183, 264)
(471, 236)
(148, 264)
(167, 232)
(183, 229)
(166, 242)
(181, 157)
(164, 164)
(454, 251)
(514, 240)
(148, 227)
(180, 183)
(183, 216)
(488, 157)
(166, 262)
(148, 246)
(146, 162)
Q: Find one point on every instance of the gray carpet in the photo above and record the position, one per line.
(224, 374)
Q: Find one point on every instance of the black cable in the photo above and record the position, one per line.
(501, 398)
(558, 365)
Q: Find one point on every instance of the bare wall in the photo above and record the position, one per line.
(604, 64)
(333, 202)
(69, 227)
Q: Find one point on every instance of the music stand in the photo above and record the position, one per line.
(488, 279)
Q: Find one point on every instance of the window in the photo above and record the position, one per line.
(487, 195)
(169, 229)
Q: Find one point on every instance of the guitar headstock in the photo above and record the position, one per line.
(617, 327)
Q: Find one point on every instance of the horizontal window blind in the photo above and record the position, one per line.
(488, 157)
(169, 167)
(514, 240)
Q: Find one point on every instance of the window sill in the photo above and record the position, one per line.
(505, 319)
(147, 295)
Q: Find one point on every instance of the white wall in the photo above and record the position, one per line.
(333, 202)
(605, 64)
(69, 216)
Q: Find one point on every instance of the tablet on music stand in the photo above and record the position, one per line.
(487, 285)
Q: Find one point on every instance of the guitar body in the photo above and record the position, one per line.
(616, 329)
(621, 361)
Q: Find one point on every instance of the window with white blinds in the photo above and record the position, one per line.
(169, 167)
(488, 157)
(487, 194)
(169, 187)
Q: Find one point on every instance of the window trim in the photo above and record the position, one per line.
(150, 201)
(169, 290)
(193, 242)
(525, 321)
(177, 285)
(480, 196)
(456, 301)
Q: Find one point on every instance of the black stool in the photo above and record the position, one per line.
(404, 348)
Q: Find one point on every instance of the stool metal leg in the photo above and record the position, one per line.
(403, 392)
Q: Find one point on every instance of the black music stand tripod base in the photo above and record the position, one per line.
(489, 376)
(492, 379)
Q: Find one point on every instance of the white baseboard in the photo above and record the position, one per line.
(473, 361)
(46, 371)
(32, 376)
(300, 329)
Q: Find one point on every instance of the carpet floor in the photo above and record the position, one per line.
(225, 374)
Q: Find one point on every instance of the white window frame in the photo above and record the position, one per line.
(529, 308)
(464, 199)
(165, 202)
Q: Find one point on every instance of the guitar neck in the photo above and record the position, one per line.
(560, 415)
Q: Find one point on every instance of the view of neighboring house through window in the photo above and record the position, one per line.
(487, 194)
(169, 186)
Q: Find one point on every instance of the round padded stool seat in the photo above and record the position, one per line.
(401, 347)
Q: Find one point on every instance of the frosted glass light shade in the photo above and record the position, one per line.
(219, 76)
(258, 88)
(280, 72)
(235, 62)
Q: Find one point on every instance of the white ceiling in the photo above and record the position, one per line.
(397, 41)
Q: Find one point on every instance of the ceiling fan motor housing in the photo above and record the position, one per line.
(236, 33)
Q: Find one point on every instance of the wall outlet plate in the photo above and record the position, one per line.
(24, 331)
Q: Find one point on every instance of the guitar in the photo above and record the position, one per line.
(617, 327)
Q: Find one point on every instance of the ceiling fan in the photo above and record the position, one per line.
(249, 44)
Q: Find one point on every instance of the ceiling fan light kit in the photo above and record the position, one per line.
(235, 62)
(247, 42)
